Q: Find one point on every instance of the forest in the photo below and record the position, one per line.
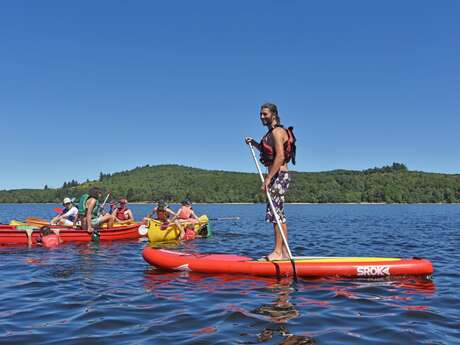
(388, 184)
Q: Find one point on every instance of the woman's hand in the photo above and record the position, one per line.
(266, 184)
(249, 140)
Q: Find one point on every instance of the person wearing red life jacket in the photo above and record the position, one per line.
(162, 212)
(189, 232)
(277, 148)
(122, 214)
(48, 239)
(185, 215)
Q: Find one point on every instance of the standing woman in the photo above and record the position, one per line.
(277, 149)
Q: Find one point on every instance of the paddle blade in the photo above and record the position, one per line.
(36, 221)
(58, 210)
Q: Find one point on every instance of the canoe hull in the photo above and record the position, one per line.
(354, 267)
(17, 234)
(156, 234)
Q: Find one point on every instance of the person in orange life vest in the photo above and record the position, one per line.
(184, 215)
(277, 149)
(162, 212)
(122, 214)
(189, 232)
(48, 239)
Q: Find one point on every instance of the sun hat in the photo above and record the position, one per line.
(67, 201)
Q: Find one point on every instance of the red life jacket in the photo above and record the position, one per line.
(189, 235)
(185, 212)
(50, 241)
(267, 150)
(162, 215)
(121, 214)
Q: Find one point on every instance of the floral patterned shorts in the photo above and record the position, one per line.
(278, 189)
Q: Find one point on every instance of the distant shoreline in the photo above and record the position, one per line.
(260, 203)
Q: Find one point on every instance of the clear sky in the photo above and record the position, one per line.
(91, 86)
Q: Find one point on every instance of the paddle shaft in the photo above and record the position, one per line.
(225, 218)
(101, 208)
(277, 218)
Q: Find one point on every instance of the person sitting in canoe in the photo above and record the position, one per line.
(88, 211)
(122, 214)
(68, 216)
(162, 212)
(184, 215)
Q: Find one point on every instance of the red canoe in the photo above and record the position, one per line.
(11, 234)
(306, 266)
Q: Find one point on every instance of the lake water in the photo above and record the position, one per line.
(105, 293)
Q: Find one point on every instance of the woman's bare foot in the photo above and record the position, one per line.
(274, 256)
(285, 254)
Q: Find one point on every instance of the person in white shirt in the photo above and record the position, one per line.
(68, 215)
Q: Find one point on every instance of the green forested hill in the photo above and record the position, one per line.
(172, 182)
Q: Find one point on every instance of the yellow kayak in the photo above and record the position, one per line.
(156, 234)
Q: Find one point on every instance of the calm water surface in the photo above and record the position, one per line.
(106, 293)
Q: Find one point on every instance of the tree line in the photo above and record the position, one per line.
(388, 184)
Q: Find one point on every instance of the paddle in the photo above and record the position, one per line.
(58, 210)
(101, 208)
(37, 221)
(277, 218)
(96, 235)
(225, 218)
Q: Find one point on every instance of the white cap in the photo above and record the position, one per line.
(67, 201)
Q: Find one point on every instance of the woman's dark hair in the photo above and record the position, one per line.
(186, 202)
(273, 109)
(45, 230)
(161, 204)
(94, 192)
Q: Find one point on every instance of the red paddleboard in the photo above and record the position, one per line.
(353, 267)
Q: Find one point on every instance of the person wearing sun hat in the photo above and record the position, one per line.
(68, 215)
(122, 214)
(185, 215)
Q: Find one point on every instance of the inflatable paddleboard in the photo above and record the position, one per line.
(353, 267)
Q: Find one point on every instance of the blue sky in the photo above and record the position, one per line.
(92, 86)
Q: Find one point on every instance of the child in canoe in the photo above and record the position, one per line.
(162, 212)
(185, 215)
(122, 214)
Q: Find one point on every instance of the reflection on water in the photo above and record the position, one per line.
(280, 312)
(283, 300)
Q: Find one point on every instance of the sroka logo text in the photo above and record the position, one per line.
(373, 271)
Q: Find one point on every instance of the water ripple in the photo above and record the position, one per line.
(105, 294)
